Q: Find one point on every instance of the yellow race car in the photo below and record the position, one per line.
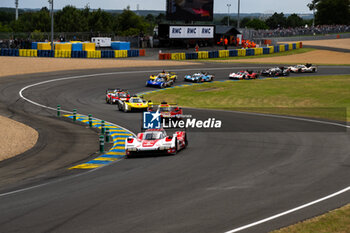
(165, 75)
(134, 104)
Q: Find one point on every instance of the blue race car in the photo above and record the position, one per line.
(199, 77)
(161, 82)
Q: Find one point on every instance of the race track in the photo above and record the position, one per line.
(260, 167)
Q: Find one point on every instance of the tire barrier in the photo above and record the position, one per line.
(231, 53)
(9, 52)
(133, 53)
(120, 53)
(94, 54)
(46, 53)
(107, 54)
(77, 54)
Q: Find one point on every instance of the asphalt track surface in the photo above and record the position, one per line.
(222, 181)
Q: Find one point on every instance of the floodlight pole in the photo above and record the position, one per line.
(228, 15)
(52, 45)
(239, 6)
(16, 3)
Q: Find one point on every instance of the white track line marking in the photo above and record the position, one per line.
(276, 116)
(289, 211)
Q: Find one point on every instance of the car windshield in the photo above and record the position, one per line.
(165, 109)
(135, 101)
(160, 80)
(152, 136)
(123, 94)
(197, 75)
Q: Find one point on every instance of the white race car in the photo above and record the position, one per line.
(308, 68)
(155, 141)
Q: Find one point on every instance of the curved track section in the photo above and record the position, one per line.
(222, 181)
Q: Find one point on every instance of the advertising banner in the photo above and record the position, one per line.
(191, 32)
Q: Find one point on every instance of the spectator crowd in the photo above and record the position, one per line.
(302, 31)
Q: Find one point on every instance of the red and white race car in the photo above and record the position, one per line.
(246, 74)
(113, 95)
(155, 141)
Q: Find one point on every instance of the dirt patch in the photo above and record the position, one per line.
(29, 65)
(336, 43)
(317, 57)
(16, 138)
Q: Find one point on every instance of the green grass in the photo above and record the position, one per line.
(334, 221)
(324, 97)
(287, 53)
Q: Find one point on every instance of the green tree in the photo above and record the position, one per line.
(160, 18)
(101, 21)
(70, 19)
(223, 21)
(294, 21)
(5, 28)
(276, 21)
(331, 11)
(257, 24)
(244, 22)
(130, 24)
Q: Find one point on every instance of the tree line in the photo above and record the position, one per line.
(128, 23)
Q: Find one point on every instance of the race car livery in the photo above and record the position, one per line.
(167, 111)
(160, 82)
(244, 75)
(113, 95)
(199, 77)
(134, 104)
(167, 75)
(155, 141)
(308, 68)
(276, 71)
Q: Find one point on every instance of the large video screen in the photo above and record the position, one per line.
(190, 10)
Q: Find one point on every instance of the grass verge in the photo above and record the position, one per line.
(323, 97)
(287, 53)
(334, 221)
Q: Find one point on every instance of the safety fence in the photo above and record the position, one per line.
(230, 53)
(72, 54)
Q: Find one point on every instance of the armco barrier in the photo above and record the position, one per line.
(272, 49)
(133, 53)
(233, 53)
(294, 46)
(290, 46)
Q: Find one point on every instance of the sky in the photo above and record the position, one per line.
(220, 6)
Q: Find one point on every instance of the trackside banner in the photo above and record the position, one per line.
(191, 32)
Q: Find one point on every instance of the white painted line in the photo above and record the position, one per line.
(289, 211)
